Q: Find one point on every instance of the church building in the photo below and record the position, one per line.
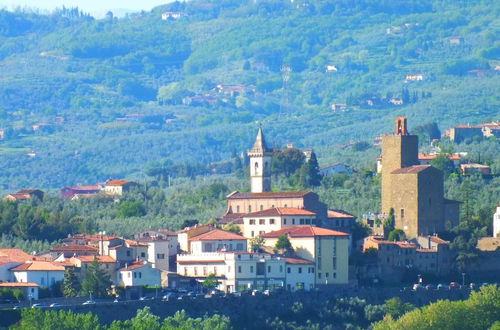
(415, 192)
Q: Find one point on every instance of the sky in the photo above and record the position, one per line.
(95, 7)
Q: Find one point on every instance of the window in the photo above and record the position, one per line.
(256, 166)
(252, 233)
(185, 271)
(281, 269)
(301, 221)
(262, 207)
(308, 221)
(334, 275)
(249, 208)
(312, 270)
(293, 221)
(143, 254)
(288, 270)
(252, 221)
(239, 269)
(402, 213)
(336, 223)
(300, 270)
(268, 269)
(128, 253)
(205, 270)
(135, 274)
(237, 209)
(251, 269)
(286, 205)
(262, 221)
(107, 266)
(196, 270)
(319, 262)
(160, 256)
(140, 274)
(261, 232)
(271, 221)
(261, 268)
(327, 275)
(319, 275)
(284, 221)
(334, 262)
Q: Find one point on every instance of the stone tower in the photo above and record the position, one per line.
(398, 151)
(260, 165)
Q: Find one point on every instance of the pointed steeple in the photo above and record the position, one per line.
(260, 143)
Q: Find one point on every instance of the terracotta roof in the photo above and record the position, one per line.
(100, 259)
(298, 261)
(135, 265)
(304, 231)
(438, 240)
(75, 247)
(217, 235)
(277, 211)
(340, 214)
(117, 183)
(411, 169)
(28, 191)
(18, 285)
(15, 255)
(38, 266)
(18, 196)
(281, 194)
(134, 243)
(406, 245)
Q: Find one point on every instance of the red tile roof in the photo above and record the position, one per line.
(134, 243)
(14, 255)
(38, 266)
(304, 231)
(278, 211)
(18, 285)
(117, 183)
(340, 214)
(411, 169)
(75, 247)
(100, 259)
(135, 265)
(282, 194)
(438, 240)
(298, 261)
(217, 235)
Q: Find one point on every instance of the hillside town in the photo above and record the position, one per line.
(268, 240)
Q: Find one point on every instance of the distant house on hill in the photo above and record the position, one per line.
(117, 187)
(336, 168)
(24, 194)
(415, 77)
(456, 40)
(70, 192)
(172, 15)
(462, 132)
(475, 168)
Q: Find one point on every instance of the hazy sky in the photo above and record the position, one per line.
(96, 7)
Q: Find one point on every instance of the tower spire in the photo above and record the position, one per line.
(260, 143)
(260, 163)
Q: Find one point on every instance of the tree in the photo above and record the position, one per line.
(71, 283)
(210, 282)
(256, 243)
(395, 307)
(97, 281)
(443, 163)
(283, 243)
(396, 235)
(130, 209)
(389, 223)
(232, 227)
(308, 174)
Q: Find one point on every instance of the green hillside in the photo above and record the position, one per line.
(117, 97)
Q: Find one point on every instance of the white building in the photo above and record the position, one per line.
(496, 223)
(218, 240)
(30, 290)
(299, 274)
(139, 273)
(43, 273)
(265, 221)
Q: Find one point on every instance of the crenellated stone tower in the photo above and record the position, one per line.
(260, 165)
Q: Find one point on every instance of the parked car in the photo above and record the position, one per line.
(89, 302)
(429, 287)
(55, 305)
(472, 286)
(417, 287)
(236, 294)
(443, 287)
(37, 306)
(169, 296)
(266, 292)
(454, 285)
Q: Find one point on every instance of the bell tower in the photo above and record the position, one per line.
(260, 165)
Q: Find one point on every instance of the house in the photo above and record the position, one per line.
(43, 273)
(162, 249)
(339, 107)
(415, 77)
(331, 68)
(199, 100)
(117, 187)
(464, 132)
(235, 90)
(10, 258)
(25, 194)
(335, 168)
(70, 250)
(426, 159)
(183, 236)
(70, 192)
(265, 221)
(339, 220)
(300, 274)
(396, 101)
(456, 40)
(172, 15)
(326, 248)
(30, 290)
(139, 273)
(106, 263)
(41, 127)
(235, 271)
(217, 240)
(475, 168)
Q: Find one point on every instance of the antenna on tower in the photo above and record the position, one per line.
(286, 72)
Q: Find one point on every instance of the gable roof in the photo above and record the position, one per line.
(411, 169)
(135, 265)
(14, 255)
(117, 182)
(100, 259)
(38, 266)
(304, 231)
(280, 194)
(217, 235)
(278, 211)
(75, 247)
(340, 214)
(298, 261)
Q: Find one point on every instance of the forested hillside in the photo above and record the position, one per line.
(82, 100)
